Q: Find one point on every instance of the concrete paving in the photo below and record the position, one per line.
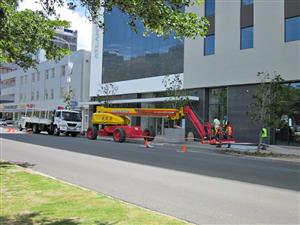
(203, 187)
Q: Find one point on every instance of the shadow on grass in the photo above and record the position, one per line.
(5, 164)
(36, 218)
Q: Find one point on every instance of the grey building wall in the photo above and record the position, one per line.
(232, 66)
(239, 99)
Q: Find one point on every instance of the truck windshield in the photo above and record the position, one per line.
(71, 116)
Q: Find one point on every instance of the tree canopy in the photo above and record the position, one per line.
(163, 17)
(23, 33)
(269, 102)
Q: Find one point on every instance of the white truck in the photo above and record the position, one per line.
(54, 122)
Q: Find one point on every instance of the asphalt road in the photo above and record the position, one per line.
(201, 186)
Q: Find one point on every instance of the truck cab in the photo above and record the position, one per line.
(66, 122)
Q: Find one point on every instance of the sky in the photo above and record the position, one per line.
(77, 19)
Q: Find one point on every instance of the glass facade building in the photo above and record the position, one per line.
(130, 55)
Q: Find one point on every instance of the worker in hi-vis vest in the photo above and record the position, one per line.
(264, 137)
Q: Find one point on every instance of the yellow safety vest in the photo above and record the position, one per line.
(264, 133)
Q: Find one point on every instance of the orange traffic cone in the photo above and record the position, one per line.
(10, 130)
(184, 148)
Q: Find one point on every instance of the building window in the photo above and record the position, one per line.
(52, 94)
(292, 29)
(8, 83)
(246, 2)
(32, 96)
(217, 103)
(46, 94)
(46, 74)
(209, 45)
(63, 70)
(37, 95)
(22, 79)
(52, 73)
(209, 7)
(25, 96)
(33, 77)
(21, 97)
(38, 76)
(246, 37)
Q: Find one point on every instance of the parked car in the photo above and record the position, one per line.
(3, 122)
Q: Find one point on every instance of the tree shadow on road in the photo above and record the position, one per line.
(4, 164)
(37, 218)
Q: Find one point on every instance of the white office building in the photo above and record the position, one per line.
(43, 88)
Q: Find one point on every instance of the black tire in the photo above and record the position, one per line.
(56, 131)
(92, 133)
(149, 134)
(73, 134)
(35, 129)
(119, 135)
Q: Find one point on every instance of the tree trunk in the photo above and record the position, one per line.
(259, 140)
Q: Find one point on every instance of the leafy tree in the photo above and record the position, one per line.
(106, 92)
(269, 102)
(177, 97)
(162, 17)
(23, 33)
(67, 98)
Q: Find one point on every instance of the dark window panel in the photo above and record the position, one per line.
(291, 8)
(247, 37)
(247, 16)
(209, 7)
(209, 45)
(211, 29)
(292, 29)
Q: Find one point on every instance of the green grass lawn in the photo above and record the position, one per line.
(28, 198)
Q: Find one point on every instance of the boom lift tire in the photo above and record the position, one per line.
(119, 135)
(149, 134)
(92, 133)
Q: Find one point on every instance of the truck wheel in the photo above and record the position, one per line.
(92, 133)
(56, 131)
(149, 134)
(35, 129)
(73, 134)
(119, 135)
